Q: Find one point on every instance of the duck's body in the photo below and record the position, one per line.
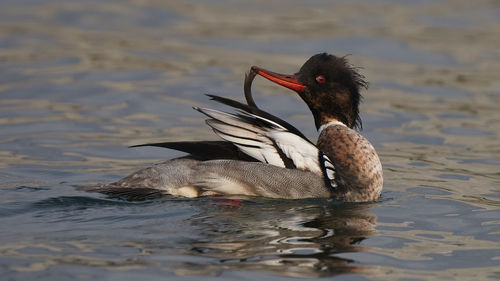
(265, 156)
(193, 178)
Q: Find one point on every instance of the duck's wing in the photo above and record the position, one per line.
(204, 150)
(258, 112)
(211, 150)
(268, 139)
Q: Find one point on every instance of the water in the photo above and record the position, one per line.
(81, 81)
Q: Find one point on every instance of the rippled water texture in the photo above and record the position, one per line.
(82, 80)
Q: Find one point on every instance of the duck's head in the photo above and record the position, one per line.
(329, 85)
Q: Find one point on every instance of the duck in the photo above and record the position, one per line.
(263, 155)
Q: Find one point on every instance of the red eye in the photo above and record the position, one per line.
(321, 79)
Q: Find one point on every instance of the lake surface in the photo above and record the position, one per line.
(80, 81)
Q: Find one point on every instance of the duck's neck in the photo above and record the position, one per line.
(332, 122)
(357, 166)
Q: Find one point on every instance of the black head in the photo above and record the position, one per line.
(329, 85)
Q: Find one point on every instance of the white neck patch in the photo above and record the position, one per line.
(331, 123)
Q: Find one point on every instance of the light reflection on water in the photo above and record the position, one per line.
(80, 81)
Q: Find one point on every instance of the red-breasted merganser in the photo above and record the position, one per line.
(262, 155)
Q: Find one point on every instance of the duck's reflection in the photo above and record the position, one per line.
(285, 238)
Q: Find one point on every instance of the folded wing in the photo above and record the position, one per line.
(265, 140)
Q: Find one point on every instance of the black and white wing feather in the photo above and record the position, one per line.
(268, 141)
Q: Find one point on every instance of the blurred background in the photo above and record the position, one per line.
(80, 81)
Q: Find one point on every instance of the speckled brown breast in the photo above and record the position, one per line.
(358, 168)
